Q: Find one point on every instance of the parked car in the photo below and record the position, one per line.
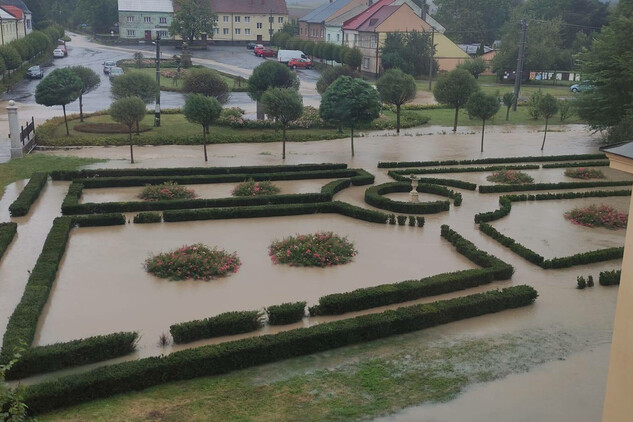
(257, 49)
(580, 87)
(267, 52)
(34, 72)
(115, 71)
(59, 53)
(251, 46)
(284, 56)
(300, 63)
(108, 65)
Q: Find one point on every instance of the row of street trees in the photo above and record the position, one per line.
(327, 51)
(13, 54)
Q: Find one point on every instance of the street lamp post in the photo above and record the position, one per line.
(157, 109)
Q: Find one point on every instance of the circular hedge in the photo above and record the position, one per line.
(321, 249)
(197, 262)
(168, 191)
(252, 188)
(510, 177)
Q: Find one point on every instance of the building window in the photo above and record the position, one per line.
(131, 33)
(130, 18)
(28, 23)
(328, 37)
(259, 25)
(280, 20)
(237, 31)
(237, 18)
(247, 19)
(247, 31)
(366, 63)
(355, 39)
(373, 42)
(338, 37)
(163, 20)
(216, 30)
(225, 18)
(163, 34)
(225, 31)
(147, 19)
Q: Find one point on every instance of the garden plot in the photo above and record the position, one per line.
(206, 191)
(114, 293)
(541, 226)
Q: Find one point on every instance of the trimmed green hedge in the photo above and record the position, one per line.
(434, 181)
(335, 186)
(610, 278)
(275, 211)
(602, 163)
(465, 169)
(7, 233)
(548, 186)
(500, 160)
(374, 196)
(229, 356)
(190, 171)
(38, 360)
(404, 291)
(514, 246)
(147, 217)
(29, 195)
(505, 206)
(286, 313)
(584, 258)
(226, 324)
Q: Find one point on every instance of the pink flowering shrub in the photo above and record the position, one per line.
(584, 173)
(510, 177)
(321, 249)
(166, 192)
(252, 188)
(197, 262)
(598, 216)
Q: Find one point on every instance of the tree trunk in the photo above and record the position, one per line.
(65, 120)
(398, 119)
(455, 122)
(204, 142)
(545, 134)
(260, 111)
(483, 130)
(131, 147)
(340, 128)
(508, 113)
(352, 140)
(283, 150)
(81, 108)
(138, 130)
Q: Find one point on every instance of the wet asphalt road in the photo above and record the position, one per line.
(240, 60)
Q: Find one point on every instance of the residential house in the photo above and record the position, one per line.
(368, 31)
(11, 24)
(145, 19)
(241, 21)
(313, 25)
(27, 15)
(334, 26)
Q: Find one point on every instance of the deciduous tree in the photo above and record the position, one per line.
(128, 111)
(397, 88)
(484, 107)
(203, 110)
(508, 100)
(193, 19)
(285, 105)
(270, 74)
(89, 81)
(454, 89)
(548, 105)
(60, 87)
(207, 82)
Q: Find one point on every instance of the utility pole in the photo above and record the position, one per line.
(431, 54)
(519, 73)
(271, 30)
(157, 109)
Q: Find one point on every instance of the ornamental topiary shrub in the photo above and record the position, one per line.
(286, 313)
(321, 249)
(402, 220)
(167, 191)
(253, 188)
(197, 262)
(226, 324)
(510, 177)
(584, 173)
(610, 278)
(598, 216)
(581, 283)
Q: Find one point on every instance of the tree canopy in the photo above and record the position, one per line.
(134, 84)
(89, 81)
(271, 74)
(128, 111)
(397, 88)
(409, 52)
(330, 74)
(207, 82)
(193, 19)
(475, 66)
(202, 110)
(285, 105)
(548, 106)
(60, 87)
(350, 102)
(454, 89)
(474, 21)
(484, 107)
(11, 57)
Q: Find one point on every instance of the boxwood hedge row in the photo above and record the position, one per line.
(29, 195)
(548, 186)
(38, 360)
(7, 233)
(499, 160)
(434, 181)
(374, 196)
(147, 217)
(465, 169)
(601, 163)
(190, 171)
(610, 278)
(225, 324)
(584, 258)
(286, 313)
(229, 356)
(514, 246)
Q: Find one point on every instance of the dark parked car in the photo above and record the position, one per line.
(34, 72)
(251, 45)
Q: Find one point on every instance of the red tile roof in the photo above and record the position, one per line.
(15, 11)
(245, 7)
(356, 21)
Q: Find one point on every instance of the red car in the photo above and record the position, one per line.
(266, 52)
(302, 63)
(257, 49)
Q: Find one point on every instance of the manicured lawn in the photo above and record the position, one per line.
(24, 168)
(167, 84)
(444, 117)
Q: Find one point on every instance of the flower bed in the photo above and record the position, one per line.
(510, 177)
(197, 262)
(598, 216)
(584, 173)
(165, 192)
(252, 188)
(321, 249)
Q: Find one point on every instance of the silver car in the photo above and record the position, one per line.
(108, 65)
(115, 71)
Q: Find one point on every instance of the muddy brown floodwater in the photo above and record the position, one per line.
(101, 286)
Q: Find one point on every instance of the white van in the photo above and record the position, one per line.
(284, 56)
